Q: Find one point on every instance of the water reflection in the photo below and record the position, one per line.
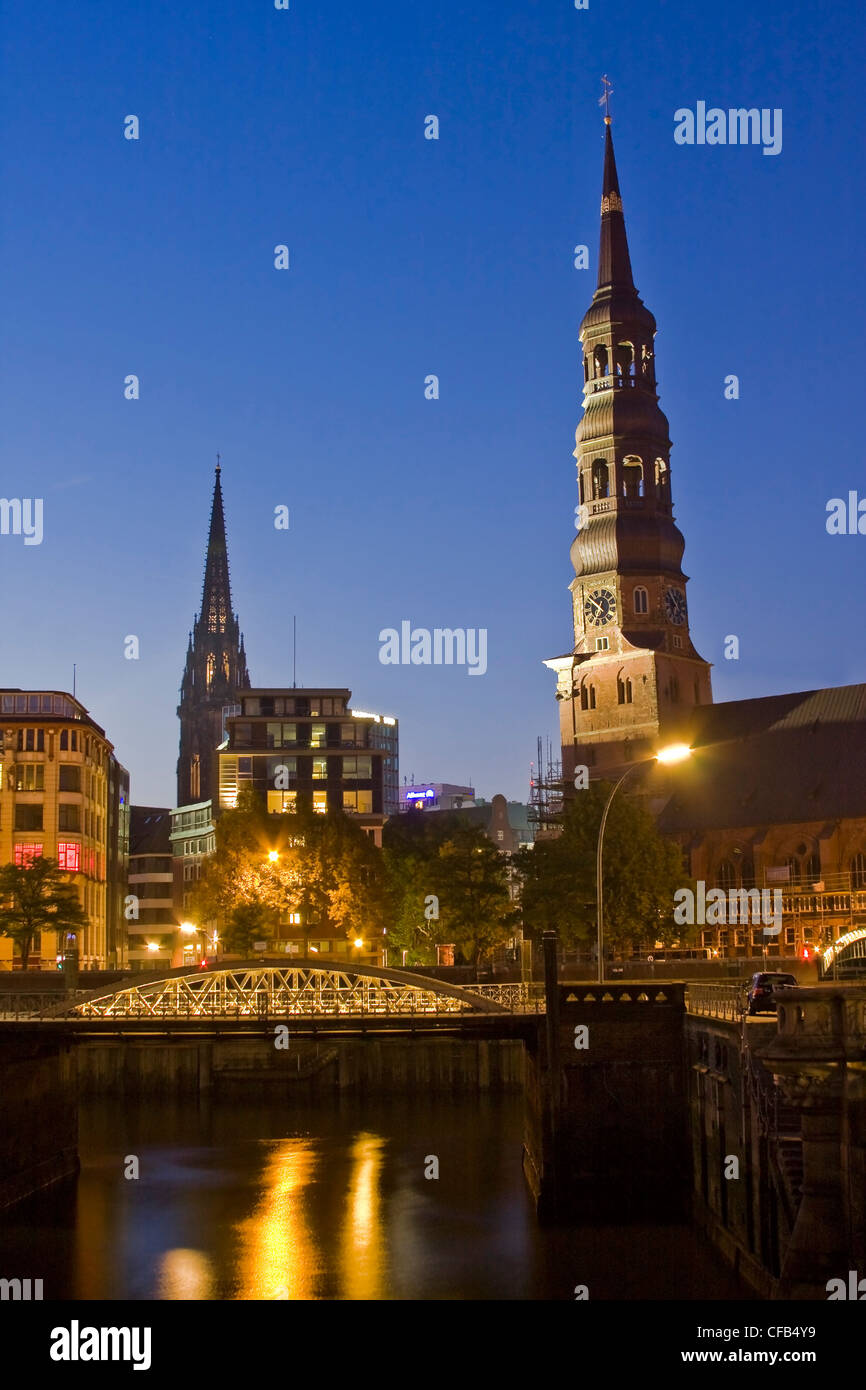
(362, 1246)
(277, 1256)
(327, 1199)
(185, 1274)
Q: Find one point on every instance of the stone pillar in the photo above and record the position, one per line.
(820, 1045)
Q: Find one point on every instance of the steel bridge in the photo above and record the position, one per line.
(303, 989)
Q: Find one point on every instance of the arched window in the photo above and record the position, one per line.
(858, 870)
(64, 738)
(587, 696)
(640, 598)
(210, 668)
(727, 875)
(624, 359)
(586, 369)
(632, 477)
(580, 488)
(601, 364)
(600, 480)
(623, 690)
(662, 478)
(812, 867)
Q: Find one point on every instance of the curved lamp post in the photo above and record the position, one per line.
(676, 753)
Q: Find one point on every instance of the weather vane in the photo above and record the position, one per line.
(218, 463)
(604, 99)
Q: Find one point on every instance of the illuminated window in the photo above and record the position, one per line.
(282, 803)
(360, 801)
(30, 777)
(318, 735)
(25, 854)
(320, 802)
(320, 768)
(69, 855)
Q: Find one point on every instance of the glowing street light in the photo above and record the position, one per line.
(153, 945)
(358, 943)
(273, 855)
(675, 753)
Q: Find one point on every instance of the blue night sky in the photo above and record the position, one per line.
(410, 257)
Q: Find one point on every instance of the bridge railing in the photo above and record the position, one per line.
(724, 1001)
(518, 997)
(31, 1003)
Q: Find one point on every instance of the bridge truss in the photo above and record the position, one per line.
(286, 991)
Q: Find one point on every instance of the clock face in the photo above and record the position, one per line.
(600, 607)
(675, 606)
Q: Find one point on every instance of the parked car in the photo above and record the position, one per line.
(762, 990)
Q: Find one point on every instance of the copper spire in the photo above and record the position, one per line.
(614, 263)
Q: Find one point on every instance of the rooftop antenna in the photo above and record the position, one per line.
(294, 652)
(73, 679)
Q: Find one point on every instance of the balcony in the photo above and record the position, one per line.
(615, 382)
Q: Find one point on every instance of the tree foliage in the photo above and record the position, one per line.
(326, 869)
(34, 898)
(641, 874)
(447, 883)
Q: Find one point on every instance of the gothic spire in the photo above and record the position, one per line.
(216, 603)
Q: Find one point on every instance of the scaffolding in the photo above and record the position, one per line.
(545, 790)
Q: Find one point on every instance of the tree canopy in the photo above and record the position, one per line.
(34, 898)
(641, 872)
(322, 867)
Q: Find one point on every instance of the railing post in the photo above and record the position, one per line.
(551, 1028)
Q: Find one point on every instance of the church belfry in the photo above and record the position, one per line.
(633, 674)
(216, 668)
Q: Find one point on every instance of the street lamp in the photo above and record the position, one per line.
(190, 929)
(676, 753)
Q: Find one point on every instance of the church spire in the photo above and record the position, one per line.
(614, 263)
(633, 673)
(216, 603)
(216, 667)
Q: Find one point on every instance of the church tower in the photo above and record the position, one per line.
(633, 676)
(216, 667)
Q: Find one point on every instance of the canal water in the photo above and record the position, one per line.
(328, 1200)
